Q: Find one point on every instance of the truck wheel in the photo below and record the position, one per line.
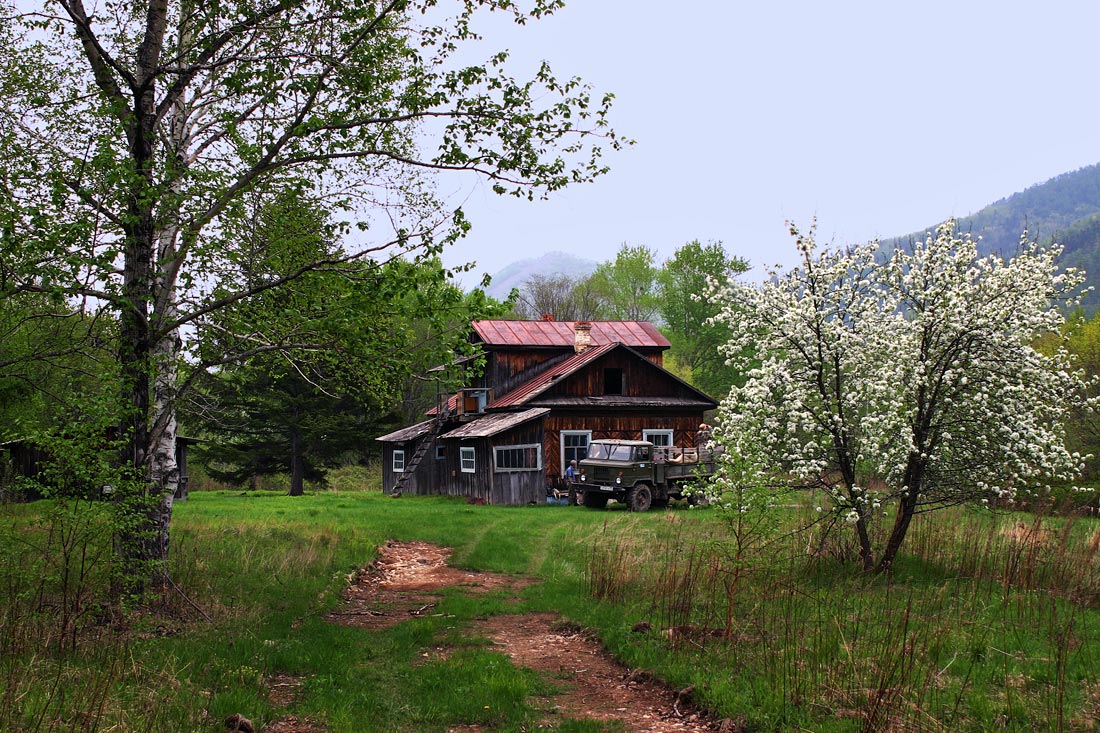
(594, 500)
(640, 498)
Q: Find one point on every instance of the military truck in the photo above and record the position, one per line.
(639, 474)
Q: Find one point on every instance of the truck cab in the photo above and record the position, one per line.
(637, 473)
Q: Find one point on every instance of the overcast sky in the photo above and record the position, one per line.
(879, 118)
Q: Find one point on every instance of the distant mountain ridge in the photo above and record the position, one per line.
(1065, 209)
(551, 263)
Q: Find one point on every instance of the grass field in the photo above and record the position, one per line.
(989, 623)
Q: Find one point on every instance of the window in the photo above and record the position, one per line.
(466, 459)
(518, 457)
(574, 446)
(613, 381)
(660, 438)
(440, 452)
(399, 461)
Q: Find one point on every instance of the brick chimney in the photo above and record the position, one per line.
(547, 316)
(582, 332)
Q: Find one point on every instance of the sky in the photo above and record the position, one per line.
(878, 118)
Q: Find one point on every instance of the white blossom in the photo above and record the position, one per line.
(917, 367)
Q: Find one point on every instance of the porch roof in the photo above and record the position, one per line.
(494, 423)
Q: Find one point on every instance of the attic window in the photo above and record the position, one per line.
(612, 381)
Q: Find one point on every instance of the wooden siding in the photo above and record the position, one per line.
(424, 479)
(520, 487)
(511, 487)
(507, 370)
(628, 426)
(639, 380)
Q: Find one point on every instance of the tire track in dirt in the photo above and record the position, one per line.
(409, 577)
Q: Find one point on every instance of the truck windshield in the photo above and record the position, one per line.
(621, 453)
(609, 452)
(599, 450)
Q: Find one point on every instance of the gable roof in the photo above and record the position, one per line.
(548, 378)
(561, 334)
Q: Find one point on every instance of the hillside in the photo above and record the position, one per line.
(550, 263)
(1065, 209)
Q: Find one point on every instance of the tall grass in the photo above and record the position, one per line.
(987, 624)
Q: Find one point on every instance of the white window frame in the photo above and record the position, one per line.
(647, 435)
(561, 443)
(467, 454)
(521, 447)
(399, 465)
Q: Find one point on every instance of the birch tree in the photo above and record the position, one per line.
(134, 133)
(917, 374)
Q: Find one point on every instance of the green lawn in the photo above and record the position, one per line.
(975, 630)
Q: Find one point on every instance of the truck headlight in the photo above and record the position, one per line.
(618, 480)
(583, 478)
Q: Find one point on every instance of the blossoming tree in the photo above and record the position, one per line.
(913, 371)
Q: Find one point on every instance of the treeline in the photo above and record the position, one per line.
(638, 286)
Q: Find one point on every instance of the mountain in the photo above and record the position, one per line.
(1065, 209)
(551, 263)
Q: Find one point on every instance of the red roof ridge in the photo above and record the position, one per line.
(561, 334)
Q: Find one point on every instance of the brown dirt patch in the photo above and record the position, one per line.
(283, 689)
(292, 724)
(594, 685)
(406, 580)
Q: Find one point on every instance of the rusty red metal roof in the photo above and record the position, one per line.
(560, 334)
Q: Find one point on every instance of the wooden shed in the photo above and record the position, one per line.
(25, 458)
(400, 471)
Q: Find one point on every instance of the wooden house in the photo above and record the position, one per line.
(548, 388)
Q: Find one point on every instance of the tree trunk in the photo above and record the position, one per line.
(907, 507)
(297, 464)
(848, 471)
(149, 420)
(866, 553)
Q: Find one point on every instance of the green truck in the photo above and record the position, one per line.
(639, 474)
